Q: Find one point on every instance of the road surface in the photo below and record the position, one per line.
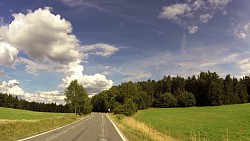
(97, 127)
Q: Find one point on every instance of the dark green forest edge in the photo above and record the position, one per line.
(76, 101)
(206, 89)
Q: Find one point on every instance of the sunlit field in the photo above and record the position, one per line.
(230, 122)
(17, 124)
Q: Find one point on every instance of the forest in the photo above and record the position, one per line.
(9, 101)
(206, 89)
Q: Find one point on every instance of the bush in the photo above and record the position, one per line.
(186, 99)
(130, 107)
(119, 110)
(166, 100)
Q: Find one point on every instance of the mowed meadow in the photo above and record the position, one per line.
(218, 123)
(17, 124)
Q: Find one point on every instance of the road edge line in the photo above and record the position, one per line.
(117, 129)
(53, 129)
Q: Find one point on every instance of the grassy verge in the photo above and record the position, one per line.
(230, 122)
(138, 131)
(17, 124)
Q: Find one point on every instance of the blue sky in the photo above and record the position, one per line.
(46, 44)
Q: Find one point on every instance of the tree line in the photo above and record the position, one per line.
(206, 89)
(76, 101)
(9, 101)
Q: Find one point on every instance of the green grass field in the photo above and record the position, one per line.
(230, 122)
(16, 114)
(17, 124)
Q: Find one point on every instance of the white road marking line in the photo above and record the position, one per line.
(119, 132)
(102, 127)
(55, 136)
(103, 139)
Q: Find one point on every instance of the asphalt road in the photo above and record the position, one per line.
(97, 127)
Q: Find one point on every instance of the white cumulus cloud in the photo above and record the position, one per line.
(50, 45)
(8, 54)
(92, 83)
(43, 36)
(11, 87)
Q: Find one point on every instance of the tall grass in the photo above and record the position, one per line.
(145, 130)
(135, 130)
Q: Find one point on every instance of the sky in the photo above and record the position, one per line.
(44, 45)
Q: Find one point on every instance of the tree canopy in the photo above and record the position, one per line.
(77, 98)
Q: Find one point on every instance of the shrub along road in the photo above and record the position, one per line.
(97, 127)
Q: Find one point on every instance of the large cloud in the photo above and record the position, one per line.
(43, 36)
(48, 42)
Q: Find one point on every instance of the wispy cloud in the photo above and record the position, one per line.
(242, 30)
(192, 29)
(183, 44)
(101, 49)
(223, 58)
(173, 12)
(205, 17)
(193, 12)
(1, 21)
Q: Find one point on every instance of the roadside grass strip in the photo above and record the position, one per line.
(139, 131)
